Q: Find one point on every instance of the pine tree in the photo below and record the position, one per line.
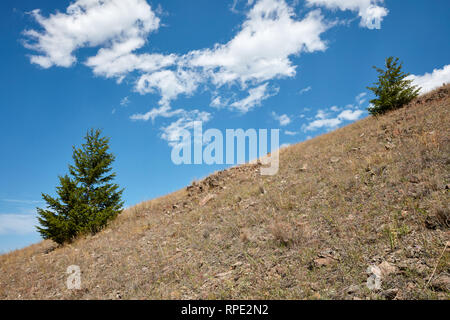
(392, 89)
(87, 199)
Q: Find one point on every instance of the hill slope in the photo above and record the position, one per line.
(374, 193)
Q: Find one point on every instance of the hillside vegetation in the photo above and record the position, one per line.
(372, 194)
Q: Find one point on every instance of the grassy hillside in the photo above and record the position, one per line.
(375, 193)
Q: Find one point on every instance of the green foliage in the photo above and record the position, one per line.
(87, 199)
(393, 90)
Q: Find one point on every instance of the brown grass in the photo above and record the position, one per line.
(376, 204)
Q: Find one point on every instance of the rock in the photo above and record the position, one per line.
(374, 279)
(325, 258)
(206, 199)
(314, 286)
(414, 179)
(353, 289)
(386, 268)
(390, 294)
(323, 262)
(441, 283)
(224, 274)
(335, 159)
(389, 146)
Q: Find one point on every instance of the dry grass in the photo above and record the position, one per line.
(237, 234)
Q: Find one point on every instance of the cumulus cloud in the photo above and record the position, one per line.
(173, 132)
(254, 98)
(169, 84)
(261, 49)
(110, 63)
(283, 119)
(350, 115)
(219, 101)
(321, 114)
(430, 81)
(323, 120)
(370, 12)
(319, 123)
(17, 223)
(120, 25)
(335, 108)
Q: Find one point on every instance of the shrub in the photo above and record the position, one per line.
(393, 90)
(87, 199)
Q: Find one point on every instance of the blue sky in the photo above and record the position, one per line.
(143, 70)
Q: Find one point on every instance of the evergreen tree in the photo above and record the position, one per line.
(87, 199)
(392, 89)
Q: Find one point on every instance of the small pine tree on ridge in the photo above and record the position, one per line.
(87, 199)
(393, 90)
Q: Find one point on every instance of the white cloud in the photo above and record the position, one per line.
(17, 223)
(254, 98)
(120, 25)
(304, 90)
(328, 123)
(360, 98)
(323, 120)
(290, 133)
(261, 49)
(370, 12)
(172, 132)
(111, 63)
(350, 115)
(219, 102)
(335, 109)
(185, 121)
(125, 102)
(168, 83)
(430, 81)
(163, 111)
(283, 119)
(321, 114)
